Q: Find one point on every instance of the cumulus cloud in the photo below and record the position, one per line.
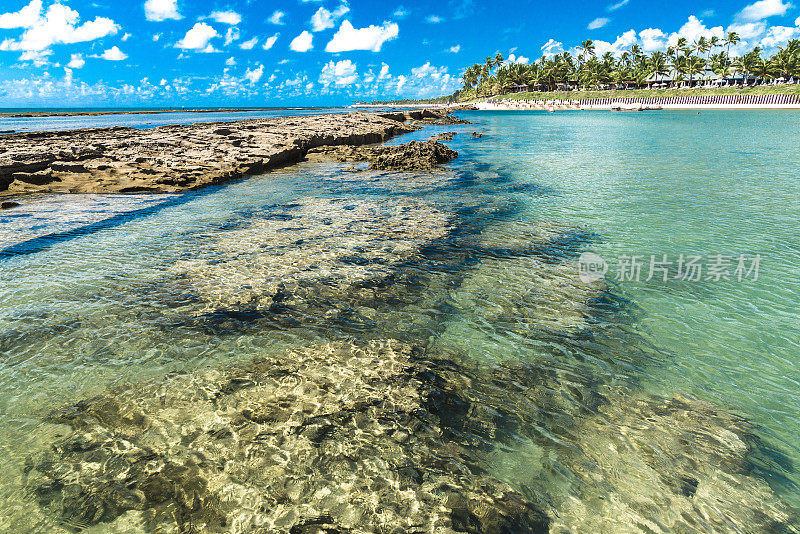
(522, 60)
(552, 47)
(324, 19)
(748, 30)
(231, 18)
(198, 38)
(693, 29)
(339, 74)
(598, 23)
(76, 61)
(763, 9)
(231, 61)
(158, 10)
(428, 70)
(277, 17)
(26, 17)
(59, 25)
(778, 36)
(270, 42)
(652, 39)
(348, 38)
(454, 49)
(254, 75)
(249, 44)
(623, 42)
(302, 43)
(433, 19)
(113, 54)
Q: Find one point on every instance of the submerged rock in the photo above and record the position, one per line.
(8, 205)
(413, 156)
(334, 438)
(315, 251)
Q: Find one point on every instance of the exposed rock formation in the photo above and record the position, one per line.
(413, 156)
(175, 158)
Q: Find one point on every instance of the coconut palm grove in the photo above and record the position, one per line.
(705, 62)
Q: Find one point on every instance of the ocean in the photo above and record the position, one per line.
(591, 313)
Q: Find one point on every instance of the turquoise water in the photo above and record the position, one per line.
(478, 265)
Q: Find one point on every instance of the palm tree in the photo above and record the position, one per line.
(588, 47)
(658, 64)
(694, 65)
(731, 39)
(498, 59)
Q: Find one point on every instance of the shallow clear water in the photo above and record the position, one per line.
(478, 265)
(70, 122)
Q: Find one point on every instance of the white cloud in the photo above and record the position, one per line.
(231, 61)
(797, 22)
(652, 39)
(748, 30)
(57, 26)
(250, 44)
(763, 9)
(156, 37)
(428, 70)
(254, 75)
(198, 38)
(779, 36)
(26, 17)
(454, 49)
(598, 23)
(522, 60)
(339, 74)
(372, 37)
(270, 42)
(401, 12)
(433, 19)
(76, 61)
(231, 35)
(552, 47)
(693, 29)
(621, 3)
(113, 54)
(231, 18)
(158, 10)
(324, 19)
(623, 42)
(302, 43)
(37, 57)
(277, 17)
(126, 37)
(384, 72)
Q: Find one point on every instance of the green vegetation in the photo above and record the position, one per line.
(683, 65)
(793, 89)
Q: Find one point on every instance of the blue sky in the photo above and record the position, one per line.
(323, 52)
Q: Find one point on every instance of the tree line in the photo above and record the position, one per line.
(684, 63)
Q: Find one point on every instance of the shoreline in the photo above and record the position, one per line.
(178, 158)
(40, 114)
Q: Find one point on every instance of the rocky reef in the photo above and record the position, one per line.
(383, 436)
(176, 158)
(413, 156)
(335, 438)
(306, 258)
